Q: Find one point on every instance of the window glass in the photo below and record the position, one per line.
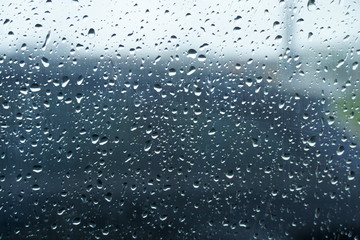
(179, 119)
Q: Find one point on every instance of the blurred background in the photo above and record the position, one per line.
(179, 120)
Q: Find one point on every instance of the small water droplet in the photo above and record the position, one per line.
(334, 181)
(278, 38)
(244, 223)
(45, 61)
(212, 132)
(108, 197)
(255, 142)
(147, 145)
(355, 65)
(351, 175)
(196, 184)
(197, 92)
(76, 221)
(192, 69)
(285, 156)
(91, 33)
(311, 5)
(103, 140)
(192, 53)
(37, 168)
(229, 174)
(340, 63)
(172, 72)
(35, 87)
(330, 120)
(157, 87)
(94, 138)
(340, 151)
(35, 187)
(201, 58)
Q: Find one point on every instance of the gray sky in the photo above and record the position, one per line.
(144, 24)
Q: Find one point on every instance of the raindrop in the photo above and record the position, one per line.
(94, 138)
(285, 156)
(45, 61)
(355, 65)
(172, 72)
(192, 69)
(35, 187)
(340, 150)
(201, 58)
(147, 145)
(108, 197)
(197, 91)
(351, 175)
(229, 174)
(76, 221)
(311, 5)
(35, 87)
(192, 53)
(103, 140)
(212, 132)
(37, 168)
(157, 87)
(91, 33)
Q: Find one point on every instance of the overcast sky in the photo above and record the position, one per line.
(229, 27)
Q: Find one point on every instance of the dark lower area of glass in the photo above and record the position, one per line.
(109, 156)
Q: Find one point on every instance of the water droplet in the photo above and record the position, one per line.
(285, 156)
(172, 72)
(312, 141)
(330, 120)
(94, 138)
(351, 175)
(197, 111)
(76, 221)
(196, 184)
(340, 150)
(108, 197)
(147, 146)
(276, 25)
(311, 5)
(37, 168)
(192, 53)
(334, 180)
(35, 187)
(103, 140)
(157, 87)
(212, 132)
(192, 69)
(91, 33)
(255, 142)
(45, 61)
(201, 58)
(35, 87)
(65, 81)
(355, 65)
(317, 212)
(197, 92)
(229, 174)
(244, 223)
(340, 63)
(278, 38)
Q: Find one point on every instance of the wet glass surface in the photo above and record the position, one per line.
(189, 120)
